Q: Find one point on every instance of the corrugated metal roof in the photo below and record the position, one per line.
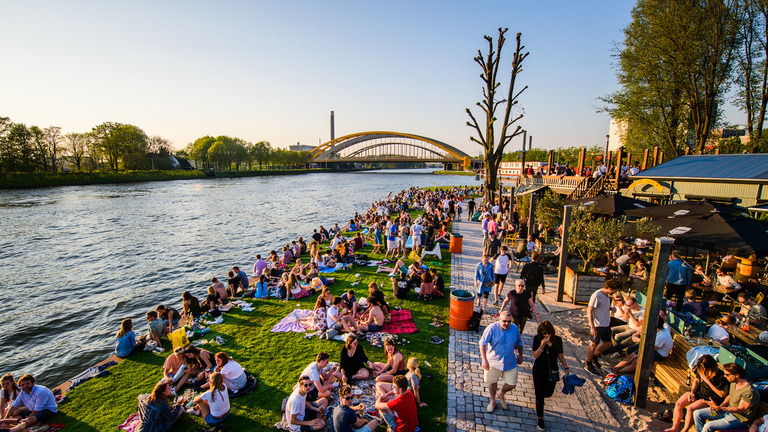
(730, 166)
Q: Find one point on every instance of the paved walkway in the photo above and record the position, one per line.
(585, 410)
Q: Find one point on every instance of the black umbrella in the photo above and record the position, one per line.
(731, 234)
(611, 205)
(701, 208)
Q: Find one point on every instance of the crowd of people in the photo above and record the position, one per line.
(287, 276)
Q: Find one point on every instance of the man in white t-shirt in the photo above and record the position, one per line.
(304, 416)
(416, 231)
(599, 318)
(500, 269)
(322, 380)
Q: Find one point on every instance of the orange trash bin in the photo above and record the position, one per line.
(462, 306)
(457, 241)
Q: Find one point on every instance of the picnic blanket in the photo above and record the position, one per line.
(401, 322)
(131, 424)
(91, 372)
(291, 322)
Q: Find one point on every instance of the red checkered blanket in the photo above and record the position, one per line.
(401, 322)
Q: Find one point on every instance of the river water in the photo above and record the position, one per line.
(75, 261)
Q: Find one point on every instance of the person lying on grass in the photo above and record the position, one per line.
(322, 380)
(213, 405)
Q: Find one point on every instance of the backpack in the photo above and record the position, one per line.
(623, 390)
(474, 321)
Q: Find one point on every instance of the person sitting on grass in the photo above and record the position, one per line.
(337, 322)
(233, 374)
(8, 394)
(244, 282)
(302, 415)
(126, 344)
(170, 317)
(155, 411)
(191, 306)
(262, 288)
(353, 361)
(345, 419)
(398, 407)
(37, 399)
(662, 348)
(350, 301)
(395, 366)
(414, 378)
(735, 410)
(198, 362)
(212, 405)
(220, 289)
(427, 288)
(373, 319)
(174, 369)
(322, 380)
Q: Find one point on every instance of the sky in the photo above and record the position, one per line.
(273, 70)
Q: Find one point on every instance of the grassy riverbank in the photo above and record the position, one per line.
(275, 358)
(39, 180)
(464, 173)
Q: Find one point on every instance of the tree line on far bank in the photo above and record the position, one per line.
(112, 146)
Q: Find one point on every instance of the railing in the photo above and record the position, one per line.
(580, 190)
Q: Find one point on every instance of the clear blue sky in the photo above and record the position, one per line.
(274, 70)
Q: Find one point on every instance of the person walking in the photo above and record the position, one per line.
(497, 352)
(484, 278)
(547, 350)
(599, 318)
(501, 269)
(533, 275)
(519, 304)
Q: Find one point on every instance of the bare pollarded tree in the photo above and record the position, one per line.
(486, 135)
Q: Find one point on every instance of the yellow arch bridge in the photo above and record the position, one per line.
(383, 146)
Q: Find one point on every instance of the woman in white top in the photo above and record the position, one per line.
(231, 372)
(719, 330)
(8, 394)
(213, 405)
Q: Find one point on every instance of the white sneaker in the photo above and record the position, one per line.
(193, 412)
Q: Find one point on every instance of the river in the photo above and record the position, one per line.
(75, 261)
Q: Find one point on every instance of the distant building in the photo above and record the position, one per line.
(301, 147)
(512, 169)
(739, 179)
(616, 133)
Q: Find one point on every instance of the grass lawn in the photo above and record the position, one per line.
(276, 359)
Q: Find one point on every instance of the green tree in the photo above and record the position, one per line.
(549, 209)
(218, 155)
(76, 146)
(589, 236)
(485, 135)
(751, 75)
(674, 69)
(199, 150)
(260, 152)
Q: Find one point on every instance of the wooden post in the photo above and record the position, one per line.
(655, 156)
(550, 163)
(717, 150)
(687, 151)
(563, 253)
(653, 305)
(661, 157)
(619, 154)
(645, 160)
(608, 164)
(531, 212)
(582, 158)
(522, 166)
(629, 159)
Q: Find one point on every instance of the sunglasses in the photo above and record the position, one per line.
(308, 385)
(506, 321)
(348, 397)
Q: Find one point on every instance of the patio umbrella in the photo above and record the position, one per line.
(611, 205)
(731, 234)
(701, 208)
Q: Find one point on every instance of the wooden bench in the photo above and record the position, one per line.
(672, 372)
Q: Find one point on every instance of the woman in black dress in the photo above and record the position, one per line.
(353, 361)
(547, 349)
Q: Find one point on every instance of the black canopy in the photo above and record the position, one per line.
(612, 205)
(731, 234)
(701, 208)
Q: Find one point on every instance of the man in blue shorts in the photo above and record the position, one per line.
(484, 278)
